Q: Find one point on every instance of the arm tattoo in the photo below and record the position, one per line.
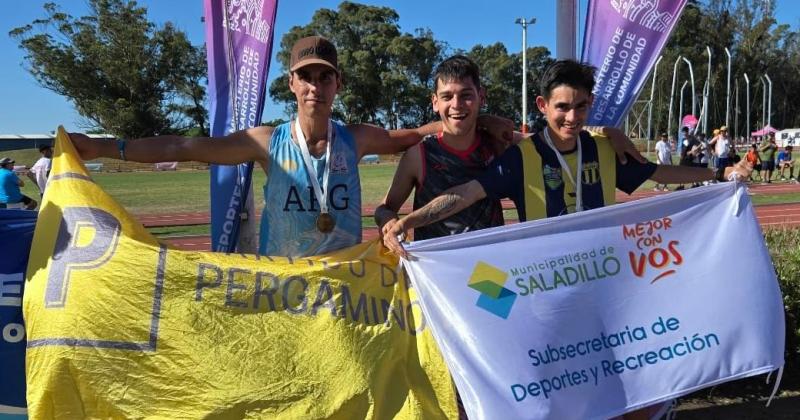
(439, 208)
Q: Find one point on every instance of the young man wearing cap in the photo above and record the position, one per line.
(722, 147)
(41, 169)
(9, 187)
(313, 191)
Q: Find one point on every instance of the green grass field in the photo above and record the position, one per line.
(187, 191)
(146, 192)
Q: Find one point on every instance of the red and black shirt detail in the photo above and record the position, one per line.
(444, 167)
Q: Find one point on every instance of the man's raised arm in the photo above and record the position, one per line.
(242, 146)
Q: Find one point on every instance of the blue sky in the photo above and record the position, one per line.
(28, 108)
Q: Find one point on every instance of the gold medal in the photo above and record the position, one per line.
(325, 223)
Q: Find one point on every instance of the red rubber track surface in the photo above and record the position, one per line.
(769, 216)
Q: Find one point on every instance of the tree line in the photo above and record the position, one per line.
(129, 77)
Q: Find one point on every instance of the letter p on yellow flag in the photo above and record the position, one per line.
(122, 326)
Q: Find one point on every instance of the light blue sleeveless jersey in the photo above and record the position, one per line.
(288, 223)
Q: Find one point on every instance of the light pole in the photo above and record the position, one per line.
(680, 107)
(672, 100)
(747, 107)
(736, 112)
(763, 101)
(650, 107)
(728, 90)
(769, 101)
(706, 91)
(694, 92)
(525, 24)
(566, 29)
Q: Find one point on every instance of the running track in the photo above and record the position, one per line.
(770, 216)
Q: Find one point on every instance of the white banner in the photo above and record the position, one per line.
(594, 314)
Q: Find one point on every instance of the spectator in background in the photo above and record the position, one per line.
(767, 151)
(702, 154)
(40, 170)
(712, 149)
(663, 157)
(754, 159)
(785, 161)
(9, 187)
(688, 150)
(722, 149)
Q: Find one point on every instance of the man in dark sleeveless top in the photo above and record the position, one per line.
(455, 155)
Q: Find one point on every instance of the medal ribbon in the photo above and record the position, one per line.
(320, 193)
(565, 168)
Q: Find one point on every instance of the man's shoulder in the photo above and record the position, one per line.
(600, 140)
(594, 135)
(265, 132)
(7, 173)
(412, 159)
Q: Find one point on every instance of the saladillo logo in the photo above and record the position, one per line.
(489, 281)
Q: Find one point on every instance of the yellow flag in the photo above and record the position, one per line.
(122, 326)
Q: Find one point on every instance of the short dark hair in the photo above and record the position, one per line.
(567, 72)
(44, 147)
(685, 129)
(456, 68)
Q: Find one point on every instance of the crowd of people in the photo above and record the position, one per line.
(695, 150)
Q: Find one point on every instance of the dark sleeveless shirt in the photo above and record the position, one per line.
(444, 167)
